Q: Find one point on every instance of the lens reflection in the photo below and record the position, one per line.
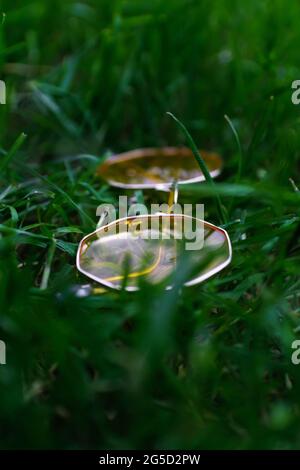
(156, 167)
(148, 247)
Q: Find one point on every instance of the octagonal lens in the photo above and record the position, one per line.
(149, 248)
(157, 168)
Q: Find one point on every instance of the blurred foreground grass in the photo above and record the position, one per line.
(204, 367)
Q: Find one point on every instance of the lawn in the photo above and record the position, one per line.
(205, 367)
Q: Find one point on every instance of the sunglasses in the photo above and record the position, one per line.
(148, 247)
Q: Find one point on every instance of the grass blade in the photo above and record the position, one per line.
(202, 165)
(240, 150)
(11, 153)
(47, 269)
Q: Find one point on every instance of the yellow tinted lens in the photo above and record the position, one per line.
(148, 247)
(154, 167)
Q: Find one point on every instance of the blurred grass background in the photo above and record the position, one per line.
(204, 367)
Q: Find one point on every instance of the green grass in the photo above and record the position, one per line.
(203, 367)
